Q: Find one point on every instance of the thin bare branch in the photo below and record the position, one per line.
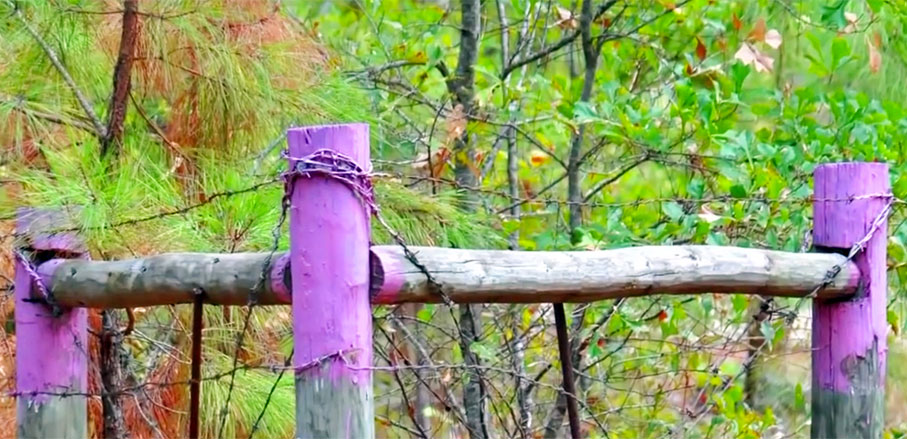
(84, 102)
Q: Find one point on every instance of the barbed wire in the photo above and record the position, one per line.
(254, 293)
(352, 177)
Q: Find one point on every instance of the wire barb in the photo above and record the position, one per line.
(46, 296)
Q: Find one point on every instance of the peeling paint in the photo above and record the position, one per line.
(849, 336)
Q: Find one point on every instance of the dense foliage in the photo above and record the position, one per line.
(558, 125)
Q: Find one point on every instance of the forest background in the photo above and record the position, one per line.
(521, 124)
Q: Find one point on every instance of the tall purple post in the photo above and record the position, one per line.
(332, 317)
(849, 337)
(51, 354)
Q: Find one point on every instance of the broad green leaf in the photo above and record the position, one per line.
(833, 14)
(672, 210)
(426, 313)
(730, 367)
(840, 52)
(875, 5)
(484, 351)
(584, 112)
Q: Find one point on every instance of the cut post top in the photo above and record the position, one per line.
(302, 141)
(41, 229)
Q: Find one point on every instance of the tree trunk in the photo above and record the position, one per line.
(755, 342)
(574, 179)
(461, 86)
(112, 360)
(122, 79)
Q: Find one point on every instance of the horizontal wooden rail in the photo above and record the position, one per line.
(495, 276)
(224, 279)
(465, 276)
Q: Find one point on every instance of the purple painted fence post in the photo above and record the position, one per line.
(849, 337)
(332, 316)
(51, 354)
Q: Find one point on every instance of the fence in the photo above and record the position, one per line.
(331, 276)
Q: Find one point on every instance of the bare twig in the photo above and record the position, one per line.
(84, 102)
(560, 44)
(17, 104)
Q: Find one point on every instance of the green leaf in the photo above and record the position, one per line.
(707, 304)
(768, 331)
(672, 210)
(900, 186)
(769, 418)
(584, 112)
(738, 191)
(840, 52)
(875, 5)
(739, 302)
(739, 72)
(484, 352)
(594, 350)
(779, 333)
(730, 367)
(425, 313)
(833, 14)
(799, 399)
(894, 320)
(435, 53)
(696, 187)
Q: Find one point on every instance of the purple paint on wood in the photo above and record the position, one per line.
(278, 272)
(37, 227)
(329, 253)
(845, 332)
(391, 278)
(50, 351)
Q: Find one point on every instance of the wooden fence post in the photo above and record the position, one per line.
(51, 351)
(849, 337)
(332, 317)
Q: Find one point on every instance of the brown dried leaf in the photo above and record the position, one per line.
(875, 57)
(758, 32)
(439, 162)
(456, 124)
(700, 49)
(566, 19)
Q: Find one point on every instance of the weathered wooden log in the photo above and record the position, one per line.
(223, 279)
(466, 276)
(849, 339)
(494, 276)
